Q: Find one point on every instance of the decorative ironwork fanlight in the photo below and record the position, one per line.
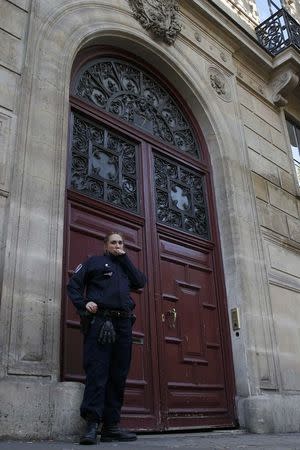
(122, 89)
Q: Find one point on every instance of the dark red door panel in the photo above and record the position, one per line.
(87, 229)
(192, 361)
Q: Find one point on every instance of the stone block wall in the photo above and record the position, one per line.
(278, 212)
(14, 18)
(244, 9)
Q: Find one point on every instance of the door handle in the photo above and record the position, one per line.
(172, 314)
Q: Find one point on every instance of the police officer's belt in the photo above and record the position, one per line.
(114, 313)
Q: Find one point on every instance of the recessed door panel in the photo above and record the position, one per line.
(87, 228)
(192, 353)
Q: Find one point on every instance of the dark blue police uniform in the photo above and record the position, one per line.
(106, 280)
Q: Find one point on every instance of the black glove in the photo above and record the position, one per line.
(107, 334)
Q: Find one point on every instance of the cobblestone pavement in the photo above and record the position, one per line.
(216, 440)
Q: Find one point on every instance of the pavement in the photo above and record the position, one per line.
(213, 440)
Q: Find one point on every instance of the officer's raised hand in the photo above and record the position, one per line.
(91, 307)
(119, 252)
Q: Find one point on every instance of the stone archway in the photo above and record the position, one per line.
(148, 174)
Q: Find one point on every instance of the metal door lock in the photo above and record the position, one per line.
(172, 314)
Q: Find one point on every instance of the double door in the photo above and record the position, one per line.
(123, 180)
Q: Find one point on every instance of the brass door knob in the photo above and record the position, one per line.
(172, 314)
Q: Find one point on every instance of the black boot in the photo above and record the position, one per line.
(90, 436)
(110, 433)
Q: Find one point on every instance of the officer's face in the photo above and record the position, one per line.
(115, 244)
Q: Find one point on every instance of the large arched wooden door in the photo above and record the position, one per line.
(138, 164)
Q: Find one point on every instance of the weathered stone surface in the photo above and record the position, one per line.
(8, 88)
(272, 218)
(265, 140)
(24, 4)
(282, 200)
(32, 414)
(284, 260)
(7, 137)
(286, 320)
(260, 108)
(256, 124)
(274, 154)
(13, 19)
(260, 187)
(279, 140)
(11, 51)
(272, 413)
(252, 139)
(287, 181)
(45, 409)
(66, 400)
(294, 228)
(263, 167)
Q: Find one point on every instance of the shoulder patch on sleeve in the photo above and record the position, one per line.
(78, 268)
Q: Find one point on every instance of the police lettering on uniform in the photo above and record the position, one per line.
(100, 290)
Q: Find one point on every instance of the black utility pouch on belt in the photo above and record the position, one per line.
(85, 322)
(107, 334)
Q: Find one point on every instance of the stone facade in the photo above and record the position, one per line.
(231, 85)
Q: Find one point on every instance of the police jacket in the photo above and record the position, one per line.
(106, 280)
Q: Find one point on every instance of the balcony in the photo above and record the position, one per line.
(279, 32)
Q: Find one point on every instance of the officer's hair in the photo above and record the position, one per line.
(106, 238)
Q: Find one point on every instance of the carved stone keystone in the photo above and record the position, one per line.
(158, 16)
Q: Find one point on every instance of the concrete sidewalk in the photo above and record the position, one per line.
(215, 440)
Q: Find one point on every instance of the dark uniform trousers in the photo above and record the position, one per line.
(106, 367)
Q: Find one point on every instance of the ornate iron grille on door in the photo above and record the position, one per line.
(103, 164)
(122, 89)
(180, 197)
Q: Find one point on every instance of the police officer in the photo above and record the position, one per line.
(100, 291)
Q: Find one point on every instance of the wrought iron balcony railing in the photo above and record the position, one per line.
(278, 32)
